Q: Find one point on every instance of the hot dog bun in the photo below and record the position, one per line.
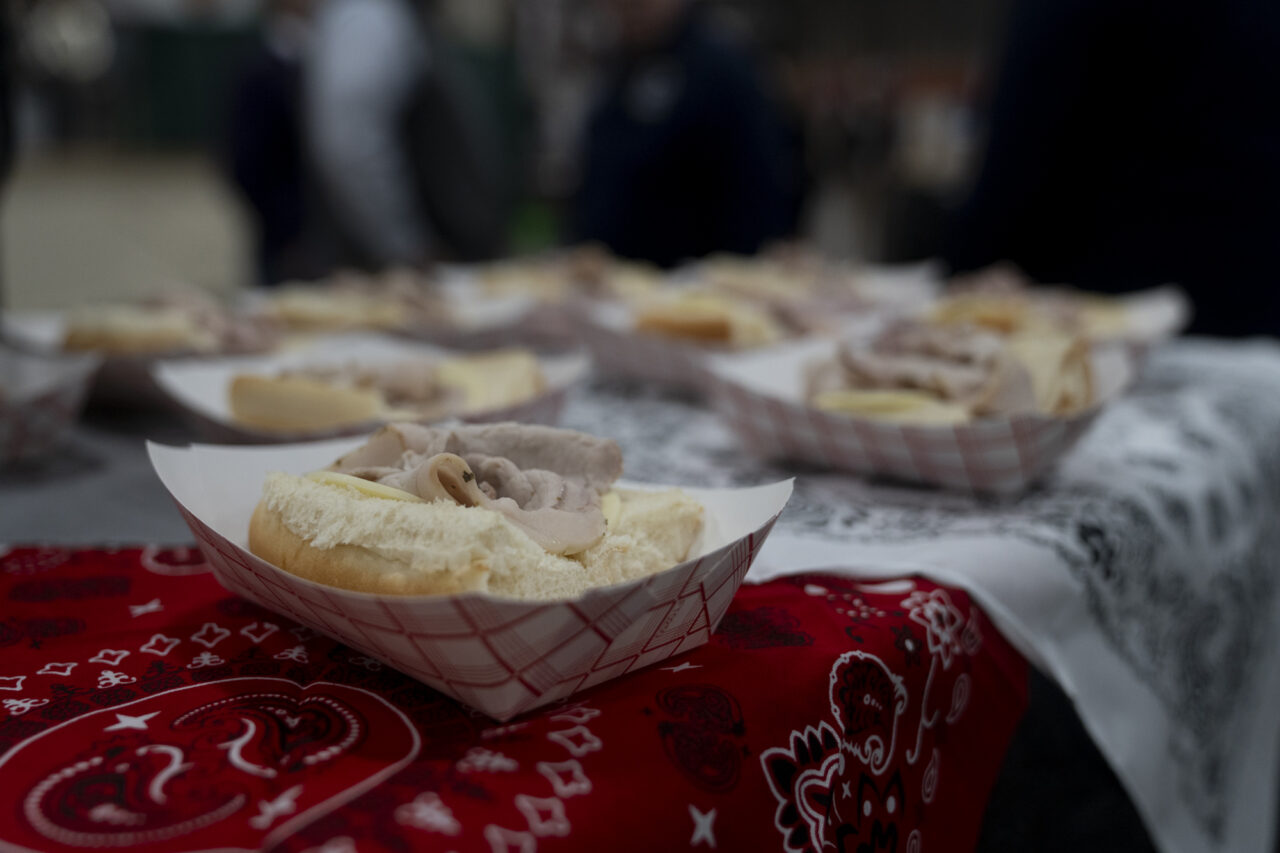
(324, 397)
(372, 540)
(137, 330)
(300, 403)
(709, 318)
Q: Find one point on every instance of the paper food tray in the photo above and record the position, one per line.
(501, 656)
(37, 331)
(618, 350)
(1156, 315)
(119, 380)
(541, 327)
(761, 398)
(485, 321)
(482, 323)
(201, 387)
(40, 398)
(1150, 316)
(899, 286)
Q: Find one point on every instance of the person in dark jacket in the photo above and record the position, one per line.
(1135, 143)
(686, 154)
(362, 139)
(404, 139)
(263, 142)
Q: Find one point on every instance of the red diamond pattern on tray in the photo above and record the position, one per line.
(986, 456)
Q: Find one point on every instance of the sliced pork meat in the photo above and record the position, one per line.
(549, 482)
(955, 363)
(596, 461)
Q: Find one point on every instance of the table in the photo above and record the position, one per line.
(1114, 580)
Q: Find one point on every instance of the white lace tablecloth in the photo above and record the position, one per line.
(1141, 576)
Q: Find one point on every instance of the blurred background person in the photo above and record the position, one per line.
(406, 150)
(1133, 144)
(118, 142)
(685, 153)
(8, 129)
(264, 152)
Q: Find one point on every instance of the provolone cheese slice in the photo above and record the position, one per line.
(365, 487)
(611, 506)
(904, 406)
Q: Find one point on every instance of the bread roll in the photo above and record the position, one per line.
(306, 308)
(136, 330)
(299, 403)
(324, 398)
(710, 318)
(366, 537)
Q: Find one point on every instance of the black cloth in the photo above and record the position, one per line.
(1055, 792)
(1134, 143)
(686, 154)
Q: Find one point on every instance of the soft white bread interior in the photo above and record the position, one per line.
(376, 541)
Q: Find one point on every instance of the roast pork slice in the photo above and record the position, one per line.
(958, 364)
(949, 380)
(501, 467)
(596, 461)
(961, 344)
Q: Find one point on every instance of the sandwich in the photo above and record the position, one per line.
(583, 271)
(738, 301)
(509, 509)
(708, 317)
(394, 299)
(170, 324)
(1004, 301)
(324, 397)
(924, 374)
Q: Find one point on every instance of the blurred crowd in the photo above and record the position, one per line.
(1109, 144)
(391, 154)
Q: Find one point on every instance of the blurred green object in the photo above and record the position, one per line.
(535, 227)
(178, 82)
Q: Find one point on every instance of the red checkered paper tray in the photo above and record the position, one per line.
(761, 398)
(607, 329)
(618, 350)
(119, 379)
(201, 387)
(501, 656)
(40, 398)
(485, 320)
